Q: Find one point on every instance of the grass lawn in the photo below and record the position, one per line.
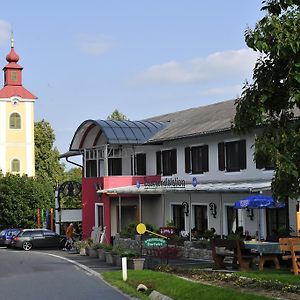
(173, 287)
(282, 275)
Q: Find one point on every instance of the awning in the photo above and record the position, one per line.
(209, 187)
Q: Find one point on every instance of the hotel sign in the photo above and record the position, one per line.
(166, 183)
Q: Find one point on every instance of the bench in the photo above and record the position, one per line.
(222, 248)
(291, 249)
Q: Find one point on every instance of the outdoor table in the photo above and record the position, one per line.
(268, 251)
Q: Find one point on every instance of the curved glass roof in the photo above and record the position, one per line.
(115, 132)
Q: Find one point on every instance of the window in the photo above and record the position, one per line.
(201, 223)
(232, 156)
(49, 233)
(15, 165)
(139, 164)
(99, 216)
(265, 163)
(166, 162)
(196, 159)
(91, 168)
(15, 121)
(114, 166)
(14, 76)
(178, 217)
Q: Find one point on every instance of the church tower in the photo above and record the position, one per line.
(16, 120)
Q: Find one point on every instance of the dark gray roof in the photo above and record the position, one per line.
(197, 121)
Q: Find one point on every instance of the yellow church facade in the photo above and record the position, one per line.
(16, 121)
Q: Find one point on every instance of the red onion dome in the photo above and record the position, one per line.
(12, 56)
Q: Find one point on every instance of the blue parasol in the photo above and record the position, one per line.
(258, 201)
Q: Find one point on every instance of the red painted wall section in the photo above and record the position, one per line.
(89, 198)
(120, 181)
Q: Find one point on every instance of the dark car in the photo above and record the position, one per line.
(37, 238)
(6, 236)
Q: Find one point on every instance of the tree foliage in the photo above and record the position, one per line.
(47, 165)
(272, 101)
(117, 116)
(19, 199)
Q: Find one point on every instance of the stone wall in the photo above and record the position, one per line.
(192, 250)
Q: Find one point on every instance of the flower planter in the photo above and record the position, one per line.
(118, 260)
(136, 263)
(93, 253)
(109, 258)
(101, 254)
(82, 251)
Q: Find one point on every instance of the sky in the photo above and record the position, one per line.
(84, 59)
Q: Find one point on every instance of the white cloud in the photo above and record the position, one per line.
(95, 45)
(215, 66)
(5, 30)
(231, 91)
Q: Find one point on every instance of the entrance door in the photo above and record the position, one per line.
(129, 215)
(201, 218)
(277, 220)
(178, 217)
(232, 219)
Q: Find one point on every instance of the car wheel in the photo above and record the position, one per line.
(27, 246)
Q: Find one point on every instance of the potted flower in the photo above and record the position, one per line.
(88, 245)
(117, 252)
(93, 250)
(80, 247)
(135, 261)
(100, 250)
(108, 253)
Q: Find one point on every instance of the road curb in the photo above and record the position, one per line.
(89, 270)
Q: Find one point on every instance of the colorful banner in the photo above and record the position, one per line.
(38, 225)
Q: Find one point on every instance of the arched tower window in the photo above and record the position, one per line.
(15, 121)
(15, 165)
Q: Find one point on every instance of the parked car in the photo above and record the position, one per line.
(6, 236)
(37, 238)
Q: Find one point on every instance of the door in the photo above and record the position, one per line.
(201, 222)
(232, 219)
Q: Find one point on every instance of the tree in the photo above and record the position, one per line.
(47, 166)
(19, 199)
(272, 101)
(117, 116)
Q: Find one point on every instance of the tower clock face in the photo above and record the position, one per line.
(15, 101)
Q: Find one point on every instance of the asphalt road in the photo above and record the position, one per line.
(34, 275)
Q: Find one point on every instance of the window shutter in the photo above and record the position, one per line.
(174, 161)
(205, 158)
(187, 152)
(132, 157)
(221, 156)
(158, 163)
(242, 154)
